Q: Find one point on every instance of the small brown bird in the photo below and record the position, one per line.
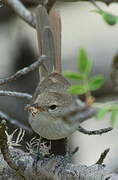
(46, 112)
(51, 99)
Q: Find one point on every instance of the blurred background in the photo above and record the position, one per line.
(80, 28)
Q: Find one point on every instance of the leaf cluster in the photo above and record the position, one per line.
(85, 83)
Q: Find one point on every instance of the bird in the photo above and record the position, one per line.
(50, 103)
(51, 100)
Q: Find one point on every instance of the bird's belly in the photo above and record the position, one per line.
(50, 128)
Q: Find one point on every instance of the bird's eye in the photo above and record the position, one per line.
(52, 107)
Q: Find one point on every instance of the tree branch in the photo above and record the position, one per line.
(20, 95)
(28, 167)
(95, 132)
(23, 71)
(15, 122)
(21, 11)
(95, 4)
(78, 112)
(102, 156)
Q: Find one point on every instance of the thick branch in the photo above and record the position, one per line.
(23, 71)
(48, 168)
(52, 166)
(29, 166)
(21, 11)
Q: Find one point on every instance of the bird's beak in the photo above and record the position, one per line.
(33, 108)
(30, 106)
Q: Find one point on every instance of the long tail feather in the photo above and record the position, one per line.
(56, 25)
(45, 40)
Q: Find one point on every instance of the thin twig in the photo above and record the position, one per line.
(95, 132)
(23, 71)
(78, 114)
(102, 156)
(96, 5)
(75, 151)
(15, 122)
(21, 95)
(21, 11)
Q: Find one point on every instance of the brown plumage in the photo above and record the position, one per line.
(51, 98)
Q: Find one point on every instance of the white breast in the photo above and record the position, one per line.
(46, 126)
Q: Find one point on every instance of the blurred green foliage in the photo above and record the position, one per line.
(86, 84)
(109, 18)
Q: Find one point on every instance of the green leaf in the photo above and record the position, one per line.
(73, 75)
(84, 64)
(109, 18)
(101, 113)
(113, 116)
(89, 67)
(96, 82)
(77, 89)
